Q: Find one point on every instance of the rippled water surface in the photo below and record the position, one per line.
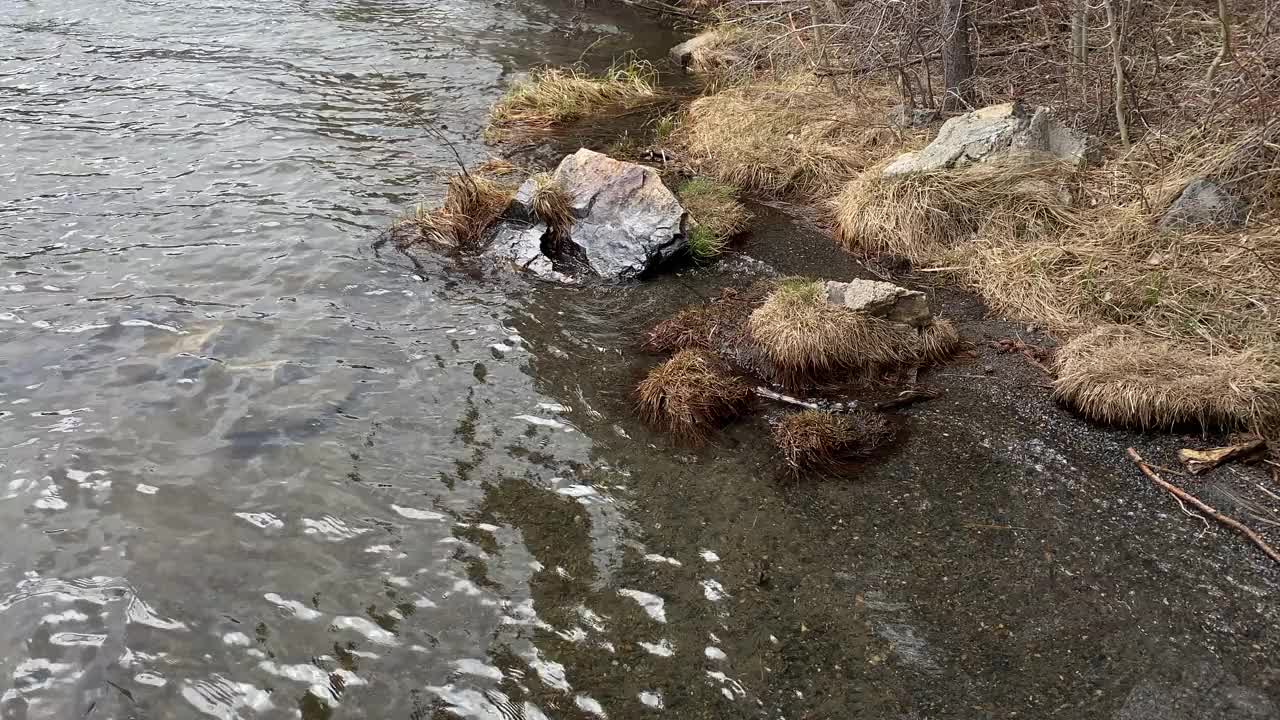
(250, 470)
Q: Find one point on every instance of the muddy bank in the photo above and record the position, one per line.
(1002, 558)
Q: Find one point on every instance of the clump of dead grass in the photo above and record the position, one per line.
(551, 204)
(471, 205)
(789, 138)
(552, 97)
(818, 442)
(923, 216)
(1123, 376)
(690, 395)
(938, 342)
(807, 339)
(716, 213)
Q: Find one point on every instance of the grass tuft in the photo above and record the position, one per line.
(551, 204)
(939, 341)
(690, 395)
(1120, 375)
(716, 213)
(817, 442)
(471, 205)
(807, 339)
(555, 96)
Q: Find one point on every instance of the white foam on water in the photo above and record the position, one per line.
(158, 326)
(656, 558)
(146, 489)
(654, 606)
(551, 673)
(479, 668)
(264, 520)
(709, 556)
(295, 608)
(70, 638)
(367, 628)
(651, 699)
(334, 529)
(543, 422)
(713, 590)
(150, 679)
(714, 653)
(416, 514)
(237, 639)
(143, 614)
(662, 648)
(224, 699)
(590, 705)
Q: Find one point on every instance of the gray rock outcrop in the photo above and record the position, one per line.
(625, 222)
(1204, 204)
(997, 131)
(882, 299)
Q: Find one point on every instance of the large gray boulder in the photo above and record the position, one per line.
(997, 131)
(1204, 204)
(882, 299)
(625, 222)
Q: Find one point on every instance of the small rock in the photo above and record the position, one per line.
(704, 53)
(916, 118)
(882, 299)
(997, 131)
(1202, 204)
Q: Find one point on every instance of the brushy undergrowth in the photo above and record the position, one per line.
(716, 215)
(789, 138)
(552, 97)
(806, 339)
(690, 395)
(471, 204)
(814, 442)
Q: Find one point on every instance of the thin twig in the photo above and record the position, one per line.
(1202, 507)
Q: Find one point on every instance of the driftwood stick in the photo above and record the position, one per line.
(824, 405)
(1199, 505)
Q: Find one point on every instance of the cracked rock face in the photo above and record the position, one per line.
(625, 222)
(1010, 129)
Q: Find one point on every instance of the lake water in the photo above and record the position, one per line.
(250, 470)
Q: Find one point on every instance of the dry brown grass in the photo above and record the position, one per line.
(807, 339)
(938, 342)
(551, 204)
(817, 442)
(553, 97)
(789, 137)
(471, 205)
(1079, 250)
(690, 395)
(1122, 376)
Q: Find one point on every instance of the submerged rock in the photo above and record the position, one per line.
(625, 222)
(882, 299)
(992, 132)
(1204, 204)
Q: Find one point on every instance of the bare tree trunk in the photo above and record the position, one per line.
(957, 59)
(1079, 37)
(1224, 52)
(1117, 61)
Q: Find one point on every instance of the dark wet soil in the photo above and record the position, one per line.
(1002, 559)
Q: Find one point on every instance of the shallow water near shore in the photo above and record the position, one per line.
(252, 471)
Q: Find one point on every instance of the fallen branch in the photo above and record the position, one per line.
(823, 405)
(1181, 494)
(907, 397)
(1202, 461)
